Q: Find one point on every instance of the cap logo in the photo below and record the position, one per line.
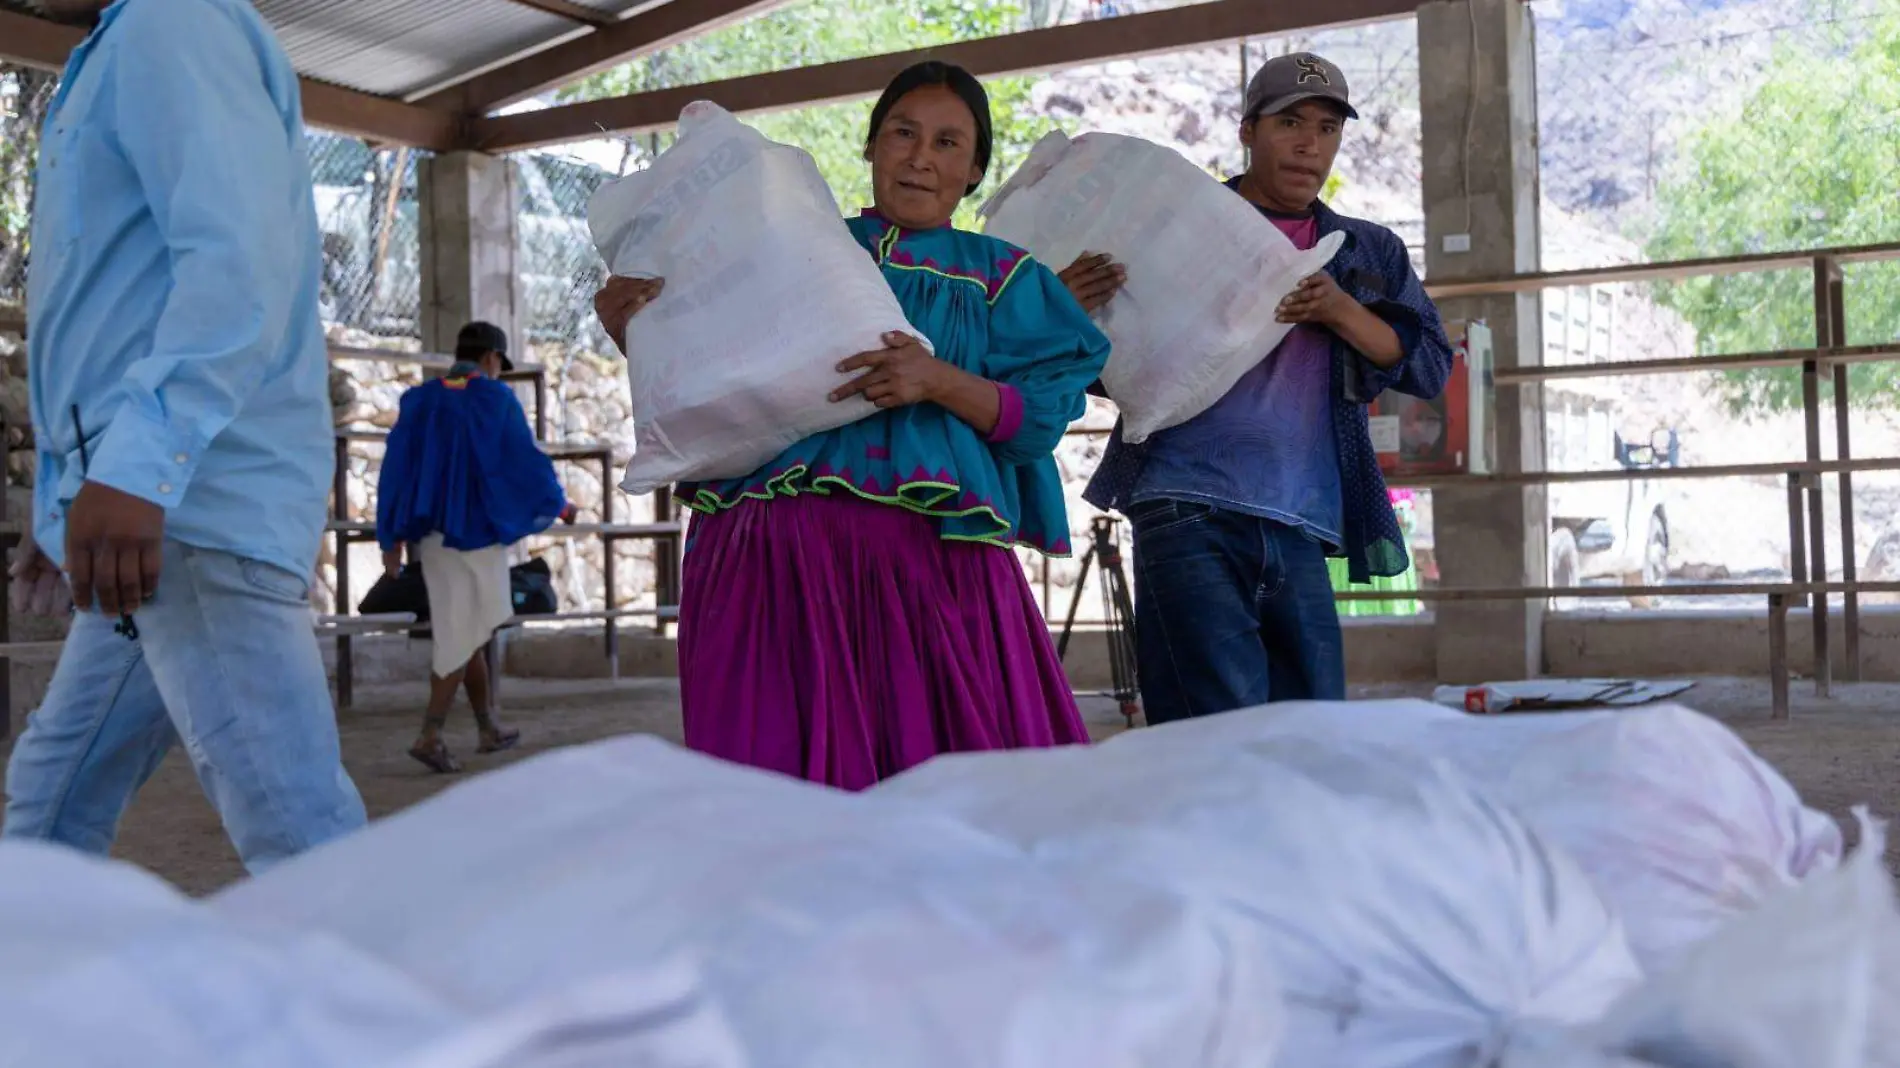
(1312, 71)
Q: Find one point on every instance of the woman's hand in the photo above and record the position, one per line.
(37, 586)
(1094, 279)
(620, 300)
(900, 374)
(392, 562)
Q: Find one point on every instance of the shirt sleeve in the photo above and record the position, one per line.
(1045, 348)
(1426, 363)
(1009, 413)
(194, 116)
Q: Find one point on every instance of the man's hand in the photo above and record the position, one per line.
(1318, 300)
(1094, 279)
(113, 548)
(37, 586)
(900, 374)
(620, 300)
(392, 562)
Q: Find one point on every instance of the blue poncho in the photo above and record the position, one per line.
(462, 463)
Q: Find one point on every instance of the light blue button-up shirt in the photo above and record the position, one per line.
(172, 294)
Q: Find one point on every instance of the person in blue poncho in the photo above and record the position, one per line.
(463, 479)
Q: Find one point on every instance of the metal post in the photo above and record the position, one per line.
(607, 570)
(340, 511)
(666, 560)
(1831, 332)
(1797, 536)
(541, 410)
(1778, 655)
(1817, 503)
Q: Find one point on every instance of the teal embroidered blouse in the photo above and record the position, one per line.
(992, 310)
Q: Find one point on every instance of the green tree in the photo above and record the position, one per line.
(821, 31)
(1812, 160)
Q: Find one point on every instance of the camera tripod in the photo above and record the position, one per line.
(1118, 608)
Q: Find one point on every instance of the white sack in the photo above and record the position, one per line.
(835, 931)
(102, 965)
(1206, 272)
(1811, 979)
(1679, 823)
(766, 292)
(1412, 923)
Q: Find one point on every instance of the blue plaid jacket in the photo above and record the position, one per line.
(1375, 268)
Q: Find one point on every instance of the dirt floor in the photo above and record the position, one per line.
(1839, 753)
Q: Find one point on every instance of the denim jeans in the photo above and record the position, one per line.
(1231, 611)
(226, 662)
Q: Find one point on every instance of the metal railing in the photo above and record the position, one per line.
(665, 534)
(1806, 525)
(1808, 555)
(344, 626)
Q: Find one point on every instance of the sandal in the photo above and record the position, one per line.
(436, 757)
(499, 741)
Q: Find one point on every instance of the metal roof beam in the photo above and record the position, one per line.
(571, 11)
(35, 42)
(1171, 30)
(563, 64)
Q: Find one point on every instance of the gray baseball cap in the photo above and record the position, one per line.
(1284, 81)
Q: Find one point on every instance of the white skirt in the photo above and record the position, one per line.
(469, 599)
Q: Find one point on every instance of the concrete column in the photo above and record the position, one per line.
(467, 228)
(1478, 104)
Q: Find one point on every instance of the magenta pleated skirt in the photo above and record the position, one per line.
(842, 641)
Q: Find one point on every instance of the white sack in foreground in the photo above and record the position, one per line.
(103, 966)
(1412, 923)
(1681, 826)
(1811, 979)
(1205, 272)
(834, 931)
(766, 292)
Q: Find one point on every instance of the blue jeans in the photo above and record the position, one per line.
(1231, 611)
(225, 661)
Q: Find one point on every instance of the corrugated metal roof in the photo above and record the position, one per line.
(402, 48)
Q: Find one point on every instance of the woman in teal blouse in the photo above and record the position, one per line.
(855, 606)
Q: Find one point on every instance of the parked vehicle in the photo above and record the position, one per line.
(1613, 531)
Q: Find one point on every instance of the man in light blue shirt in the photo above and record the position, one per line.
(179, 388)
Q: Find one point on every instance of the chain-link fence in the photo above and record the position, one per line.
(25, 97)
(366, 210)
(366, 207)
(559, 268)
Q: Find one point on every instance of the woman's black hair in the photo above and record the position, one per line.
(957, 80)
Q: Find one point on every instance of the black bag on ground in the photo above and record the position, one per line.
(402, 592)
(532, 588)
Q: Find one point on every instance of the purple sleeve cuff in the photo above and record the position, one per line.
(1009, 414)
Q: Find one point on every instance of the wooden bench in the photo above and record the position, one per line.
(665, 534)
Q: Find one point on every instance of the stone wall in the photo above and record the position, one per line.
(587, 402)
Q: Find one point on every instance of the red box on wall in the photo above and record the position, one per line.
(1447, 436)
